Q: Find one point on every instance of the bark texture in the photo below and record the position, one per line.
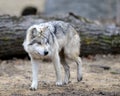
(95, 38)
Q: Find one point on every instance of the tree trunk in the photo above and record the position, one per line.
(95, 38)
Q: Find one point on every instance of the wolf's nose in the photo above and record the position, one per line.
(45, 52)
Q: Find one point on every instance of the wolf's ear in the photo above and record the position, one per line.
(44, 28)
(33, 32)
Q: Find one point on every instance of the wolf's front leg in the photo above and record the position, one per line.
(34, 84)
(56, 62)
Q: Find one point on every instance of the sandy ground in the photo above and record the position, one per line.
(101, 77)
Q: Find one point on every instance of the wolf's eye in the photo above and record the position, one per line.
(39, 43)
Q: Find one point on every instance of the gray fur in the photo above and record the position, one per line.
(57, 41)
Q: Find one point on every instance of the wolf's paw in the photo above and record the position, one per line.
(59, 83)
(66, 82)
(79, 79)
(33, 87)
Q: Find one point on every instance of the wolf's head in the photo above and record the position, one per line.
(38, 41)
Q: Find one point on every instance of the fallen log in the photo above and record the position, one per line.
(95, 38)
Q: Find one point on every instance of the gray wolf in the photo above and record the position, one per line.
(58, 41)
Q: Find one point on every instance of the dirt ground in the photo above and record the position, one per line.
(101, 77)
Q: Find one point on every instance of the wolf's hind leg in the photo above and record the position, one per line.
(72, 51)
(79, 68)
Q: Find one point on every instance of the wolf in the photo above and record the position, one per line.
(58, 41)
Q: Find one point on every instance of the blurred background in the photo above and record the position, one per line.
(93, 9)
(98, 24)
